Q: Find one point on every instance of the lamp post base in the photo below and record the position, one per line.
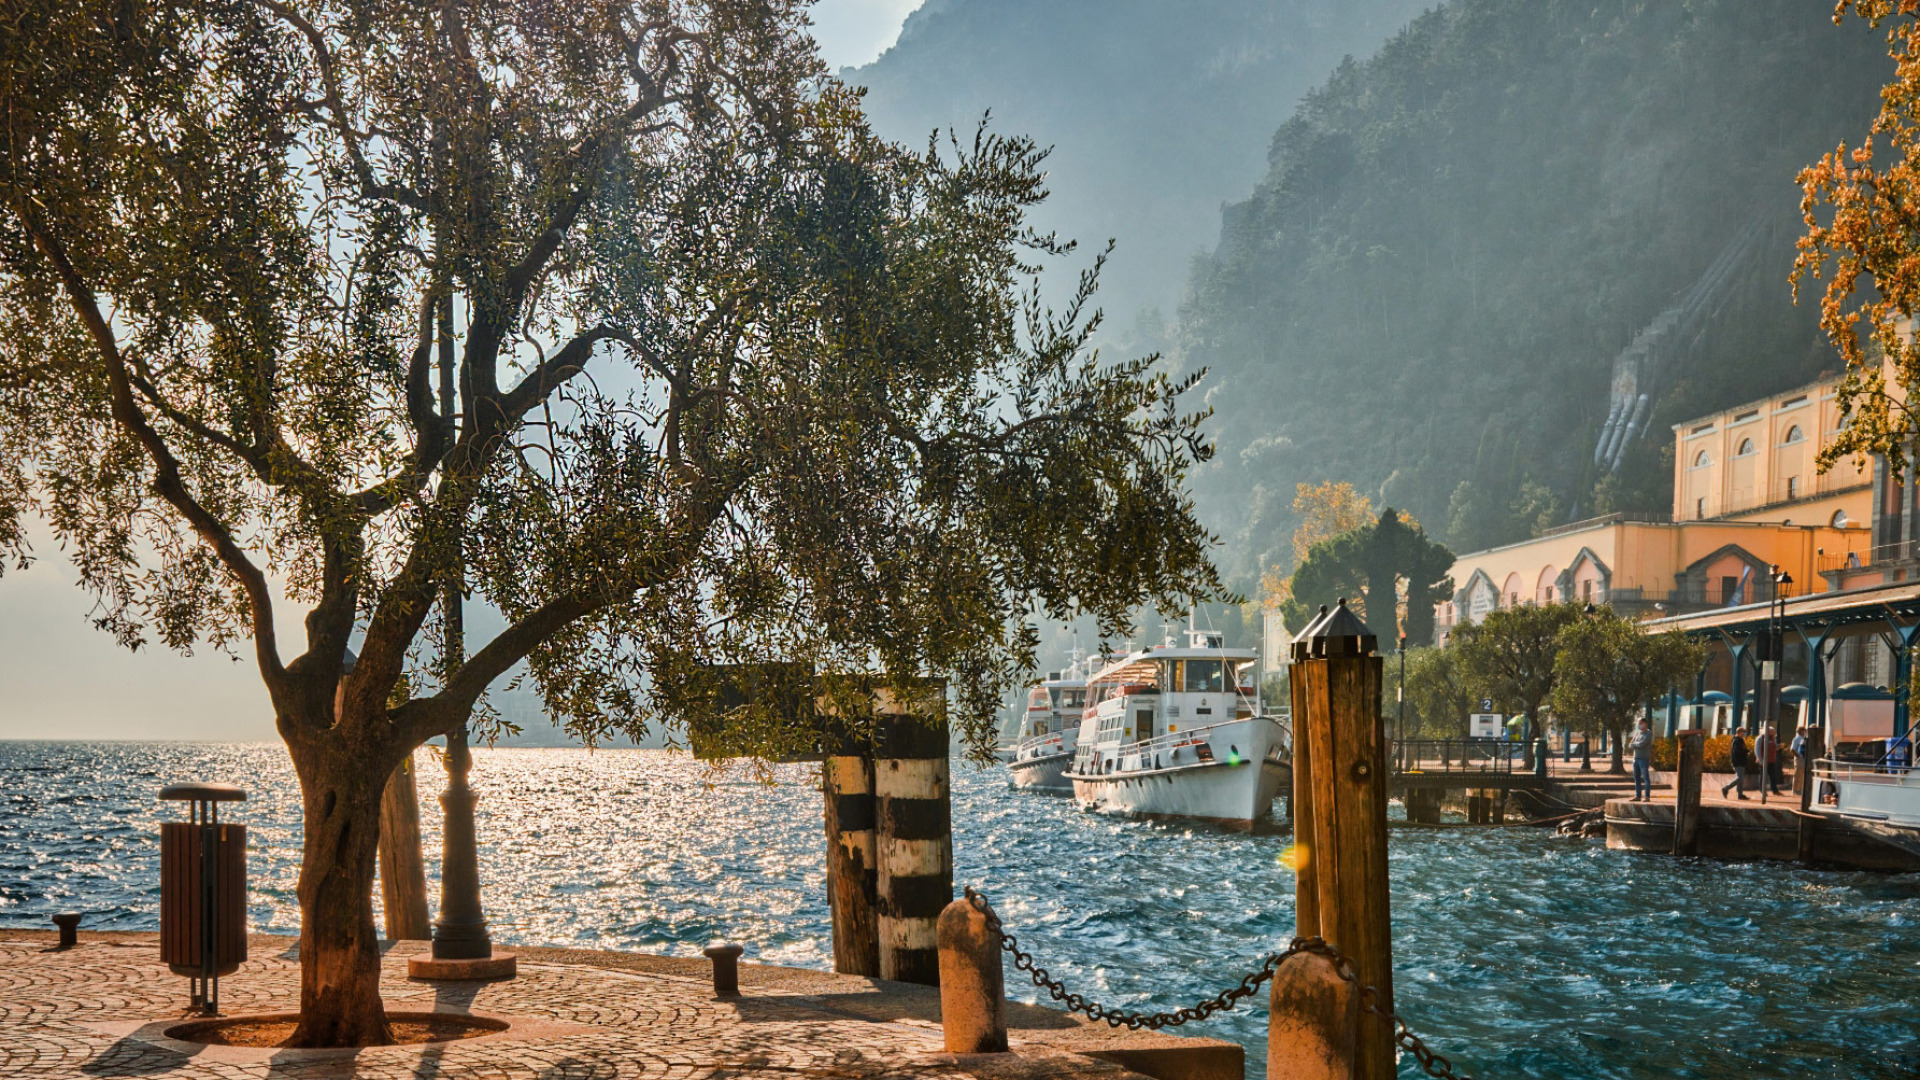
(500, 965)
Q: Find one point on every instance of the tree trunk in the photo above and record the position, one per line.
(1613, 736)
(340, 1003)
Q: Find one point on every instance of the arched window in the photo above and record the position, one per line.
(1840, 519)
(1746, 447)
(1794, 435)
(1701, 460)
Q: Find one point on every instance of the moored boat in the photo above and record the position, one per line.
(1050, 730)
(1179, 732)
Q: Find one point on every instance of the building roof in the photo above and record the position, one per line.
(1868, 604)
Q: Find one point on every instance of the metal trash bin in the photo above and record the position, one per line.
(203, 891)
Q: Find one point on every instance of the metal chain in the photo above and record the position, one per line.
(1431, 1063)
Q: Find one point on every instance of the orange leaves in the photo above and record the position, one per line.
(1863, 239)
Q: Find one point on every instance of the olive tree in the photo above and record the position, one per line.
(611, 313)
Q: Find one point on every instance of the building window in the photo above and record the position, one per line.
(1701, 460)
(1586, 591)
(1794, 435)
(1793, 487)
(1840, 519)
(1700, 508)
(1746, 447)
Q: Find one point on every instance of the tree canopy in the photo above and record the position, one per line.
(1377, 565)
(617, 316)
(1607, 669)
(1438, 693)
(1510, 655)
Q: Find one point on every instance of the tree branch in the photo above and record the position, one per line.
(167, 478)
(335, 103)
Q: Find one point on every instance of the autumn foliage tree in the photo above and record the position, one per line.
(613, 313)
(1378, 565)
(1862, 212)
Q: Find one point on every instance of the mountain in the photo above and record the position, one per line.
(1158, 110)
(1507, 225)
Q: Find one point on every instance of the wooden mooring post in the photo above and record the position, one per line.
(403, 872)
(852, 872)
(914, 841)
(1692, 746)
(1337, 676)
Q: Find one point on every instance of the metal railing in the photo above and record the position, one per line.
(1455, 755)
(1164, 751)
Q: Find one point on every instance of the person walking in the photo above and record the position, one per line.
(1641, 743)
(1738, 753)
(1769, 746)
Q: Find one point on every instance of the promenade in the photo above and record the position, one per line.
(101, 1010)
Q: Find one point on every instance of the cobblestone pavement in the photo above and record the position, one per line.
(100, 1010)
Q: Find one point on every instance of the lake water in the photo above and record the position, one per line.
(1518, 954)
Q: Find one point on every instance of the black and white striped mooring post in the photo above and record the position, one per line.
(914, 840)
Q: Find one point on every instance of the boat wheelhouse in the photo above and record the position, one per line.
(1178, 731)
(1050, 729)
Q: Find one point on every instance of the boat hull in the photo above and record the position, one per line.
(1233, 790)
(1048, 774)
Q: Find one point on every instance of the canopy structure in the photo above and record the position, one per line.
(1889, 611)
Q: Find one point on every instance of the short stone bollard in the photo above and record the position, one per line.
(69, 924)
(973, 992)
(726, 969)
(1313, 1021)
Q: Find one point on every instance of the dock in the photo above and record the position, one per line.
(103, 1009)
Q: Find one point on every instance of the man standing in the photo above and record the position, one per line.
(1800, 765)
(1738, 753)
(1641, 743)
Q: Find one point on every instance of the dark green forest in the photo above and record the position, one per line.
(1158, 111)
(1457, 238)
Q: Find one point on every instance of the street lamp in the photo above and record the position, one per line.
(1400, 697)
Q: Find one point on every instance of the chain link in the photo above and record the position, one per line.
(1431, 1063)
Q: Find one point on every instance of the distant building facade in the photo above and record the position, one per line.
(1747, 498)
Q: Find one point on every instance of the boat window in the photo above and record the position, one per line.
(1170, 676)
(1073, 699)
(1205, 677)
(1053, 697)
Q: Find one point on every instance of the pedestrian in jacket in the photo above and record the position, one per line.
(1741, 759)
(1641, 743)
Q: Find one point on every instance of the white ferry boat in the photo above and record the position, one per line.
(1050, 730)
(1179, 732)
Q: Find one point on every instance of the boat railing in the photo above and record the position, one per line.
(1856, 772)
(1164, 750)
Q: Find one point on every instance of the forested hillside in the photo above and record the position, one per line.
(1159, 110)
(1457, 239)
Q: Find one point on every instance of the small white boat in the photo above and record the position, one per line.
(1179, 732)
(1050, 730)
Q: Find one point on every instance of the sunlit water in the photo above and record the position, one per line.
(1517, 953)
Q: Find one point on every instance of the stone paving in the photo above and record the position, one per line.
(101, 1010)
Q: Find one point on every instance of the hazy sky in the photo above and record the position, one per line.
(62, 679)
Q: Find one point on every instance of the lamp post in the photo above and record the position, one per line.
(1771, 654)
(1400, 699)
(462, 948)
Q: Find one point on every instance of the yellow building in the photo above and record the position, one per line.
(1747, 499)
